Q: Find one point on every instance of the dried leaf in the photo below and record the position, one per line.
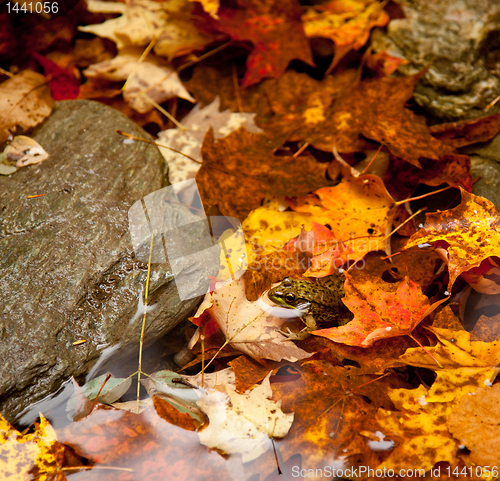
(150, 77)
(346, 22)
(189, 140)
(25, 102)
(144, 20)
(24, 151)
(274, 28)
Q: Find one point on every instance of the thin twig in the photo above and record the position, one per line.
(152, 142)
(144, 323)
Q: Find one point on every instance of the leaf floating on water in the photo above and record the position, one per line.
(243, 423)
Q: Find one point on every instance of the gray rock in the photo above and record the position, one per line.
(489, 184)
(462, 39)
(67, 269)
(485, 163)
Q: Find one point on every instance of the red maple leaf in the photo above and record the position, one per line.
(275, 29)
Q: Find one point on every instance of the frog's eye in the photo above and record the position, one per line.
(289, 297)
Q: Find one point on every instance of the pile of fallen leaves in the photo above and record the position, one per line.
(311, 141)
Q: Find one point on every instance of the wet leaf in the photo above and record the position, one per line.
(376, 109)
(247, 326)
(32, 454)
(381, 310)
(247, 158)
(466, 235)
(142, 446)
(358, 211)
(243, 423)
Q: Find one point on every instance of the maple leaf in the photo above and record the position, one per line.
(245, 158)
(189, 140)
(299, 101)
(33, 454)
(467, 234)
(475, 422)
(453, 169)
(468, 131)
(25, 101)
(347, 23)
(274, 28)
(359, 212)
(150, 77)
(325, 249)
(459, 357)
(248, 327)
(376, 109)
(144, 21)
(142, 446)
(380, 309)
(63, 83)
(243, 423)
(329, 410)
(421, 438)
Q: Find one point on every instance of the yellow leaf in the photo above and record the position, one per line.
(359, 212)
(21, 456)
(421, 437)
(209, 6)
(471, 230)
(268, 229)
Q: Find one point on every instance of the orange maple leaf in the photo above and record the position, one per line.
(381, 310)
(463, 236)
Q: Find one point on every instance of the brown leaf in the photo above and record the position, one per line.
(247, 326)
(376, 109)
(469, 131)
(274, 28)
(244, 158)
(25, 101)
(452, 169)
(487, 329)
(475, 421)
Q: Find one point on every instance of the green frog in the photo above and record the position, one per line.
(320, 301)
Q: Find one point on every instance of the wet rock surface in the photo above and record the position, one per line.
(68, 270)
(460, 41)
(485, 166)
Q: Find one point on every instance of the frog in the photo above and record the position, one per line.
(319, 300)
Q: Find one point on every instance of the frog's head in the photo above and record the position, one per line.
(288, 295)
